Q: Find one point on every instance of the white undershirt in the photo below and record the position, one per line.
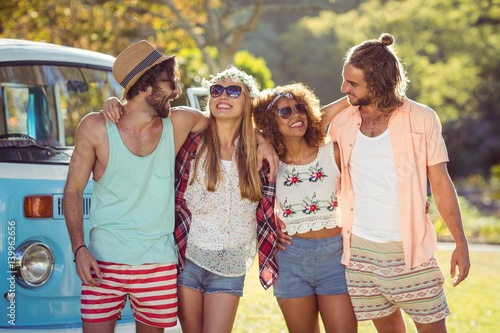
(226, 164)
(375, 184)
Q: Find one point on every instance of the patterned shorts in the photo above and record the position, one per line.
(379, 283)
(152, 289)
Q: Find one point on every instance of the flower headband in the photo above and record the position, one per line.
(237, 76)
(278, 96)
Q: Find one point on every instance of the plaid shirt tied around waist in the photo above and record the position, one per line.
(266, 223)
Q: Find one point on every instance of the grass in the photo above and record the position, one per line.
(474, 304)
(479, 226)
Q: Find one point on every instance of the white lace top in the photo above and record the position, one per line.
(223, 233)
(307, 194)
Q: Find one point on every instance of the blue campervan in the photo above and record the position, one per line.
(45, 90)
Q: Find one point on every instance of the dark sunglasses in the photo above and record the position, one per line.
(232, 91)
(174, 83)
(287, 111)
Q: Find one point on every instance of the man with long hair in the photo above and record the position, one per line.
(390, 145)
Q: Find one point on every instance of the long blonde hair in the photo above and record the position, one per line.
(246, 154)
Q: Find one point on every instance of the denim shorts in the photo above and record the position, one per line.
(311, 267)
(198, 278)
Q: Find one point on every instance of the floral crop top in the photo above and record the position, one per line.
(306, 195)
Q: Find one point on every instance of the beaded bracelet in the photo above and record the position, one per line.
(77, 249)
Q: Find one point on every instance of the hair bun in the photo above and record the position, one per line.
(386, 39)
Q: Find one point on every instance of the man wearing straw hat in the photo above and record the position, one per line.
(131, 248)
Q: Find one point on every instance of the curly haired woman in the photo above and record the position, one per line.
(311, 278)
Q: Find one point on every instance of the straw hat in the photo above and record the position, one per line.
(134, 61)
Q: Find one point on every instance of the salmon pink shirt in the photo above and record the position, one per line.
(417, 142)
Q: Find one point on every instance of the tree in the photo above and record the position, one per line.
(449, 47)
(450, 50)
(191, 62)
(105, 26)
(224, 24)
(171, 25)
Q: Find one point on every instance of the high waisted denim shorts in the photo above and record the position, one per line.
(311, 267)
(198, 278)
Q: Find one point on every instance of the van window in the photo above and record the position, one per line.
(46, 102)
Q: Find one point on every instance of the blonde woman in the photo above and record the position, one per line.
(224, 206)
(219, 192)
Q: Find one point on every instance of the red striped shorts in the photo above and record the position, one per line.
(152, 289)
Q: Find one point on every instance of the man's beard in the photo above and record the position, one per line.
(159, 102)
(362, 101)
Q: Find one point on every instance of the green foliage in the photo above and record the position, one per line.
(450, 50)
(478, 227)
(104, 26)
(257, 67)
(192, 67)
(194, 70)
(306, 52)
(495, 182)
(320, 66)
(439, 43)
(110, 26)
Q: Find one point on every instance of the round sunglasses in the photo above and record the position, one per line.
(287, 111)
(232, 91)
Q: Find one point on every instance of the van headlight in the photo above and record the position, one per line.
(34, 264)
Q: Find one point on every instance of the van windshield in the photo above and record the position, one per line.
(42, 105)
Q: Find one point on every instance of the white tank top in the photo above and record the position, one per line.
(375, 184)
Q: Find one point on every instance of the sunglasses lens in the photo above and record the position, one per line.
(216, 90)
(174, 83)
(233, 91)
(300, 108)
(285, 112)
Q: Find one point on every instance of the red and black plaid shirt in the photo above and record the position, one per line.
(266, 223)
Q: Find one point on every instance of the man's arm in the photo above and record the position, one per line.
(266, 151)
(80, 167)
(447, 204)
(331, 110)
(186, 120)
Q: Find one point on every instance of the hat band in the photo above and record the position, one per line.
(148, 62)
